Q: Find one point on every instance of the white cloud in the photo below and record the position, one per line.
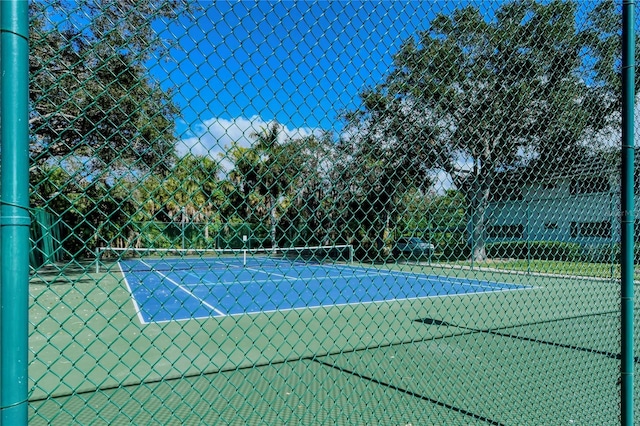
(214, 137)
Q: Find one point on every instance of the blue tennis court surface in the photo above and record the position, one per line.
(173, 293)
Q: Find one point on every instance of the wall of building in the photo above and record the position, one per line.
(555, 212)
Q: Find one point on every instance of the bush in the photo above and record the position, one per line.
(366, 250)
(540, 250)
(451, 246)
(601, 253)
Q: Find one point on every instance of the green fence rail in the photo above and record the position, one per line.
(396, 213)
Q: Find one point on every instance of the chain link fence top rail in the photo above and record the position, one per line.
(324, 213)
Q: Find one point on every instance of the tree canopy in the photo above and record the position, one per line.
(91, 95)
(474, 96)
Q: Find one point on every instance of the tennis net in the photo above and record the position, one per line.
(155, 259)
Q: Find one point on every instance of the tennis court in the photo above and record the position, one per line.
(428, 353)
(252, 282)
(302, 213)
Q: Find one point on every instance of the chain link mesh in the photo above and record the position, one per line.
(324, 213)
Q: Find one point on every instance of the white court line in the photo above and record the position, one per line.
(286, 278)
(368, 302)
(136, 307)
(421, 276)
(186, 290)
(368, 271)
(371, 274)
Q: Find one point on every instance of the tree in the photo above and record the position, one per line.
(190, 193)
(304, 215)
(91, 95)
(89, 213)
(241, 183)
(94, 109)
(384, 163)
(271, 181)
(278, 171)
(282, 180)
(486, 96)
(602, 36)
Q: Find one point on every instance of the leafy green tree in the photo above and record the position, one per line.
(91, 95)
(190, 193)
(271, 181)
(383, 163)
(89, 213)
(95, 112)
(243, 198)
(602, 37)
(309, 161)
(280, 183)
(480, 96)
(264, 177)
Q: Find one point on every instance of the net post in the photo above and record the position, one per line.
(98, 250)
(244, 250)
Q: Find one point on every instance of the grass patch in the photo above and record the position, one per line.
(586, 269)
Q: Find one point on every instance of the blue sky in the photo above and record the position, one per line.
(238, 66)
(242, 65)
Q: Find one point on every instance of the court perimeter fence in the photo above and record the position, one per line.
(427, 212)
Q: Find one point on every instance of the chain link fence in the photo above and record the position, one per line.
(397, 213)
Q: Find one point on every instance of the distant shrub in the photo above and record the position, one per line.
(540, 250)
(450, 246)
(601, 253)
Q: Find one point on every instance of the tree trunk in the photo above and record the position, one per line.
(478, 249)
(478, 197)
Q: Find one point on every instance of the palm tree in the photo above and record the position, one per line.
(191, 193)
(271, 182)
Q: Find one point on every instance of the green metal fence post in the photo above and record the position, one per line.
(627, 211)
(614, 237)
(14, 213)
(528, 230)
(2, 380)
